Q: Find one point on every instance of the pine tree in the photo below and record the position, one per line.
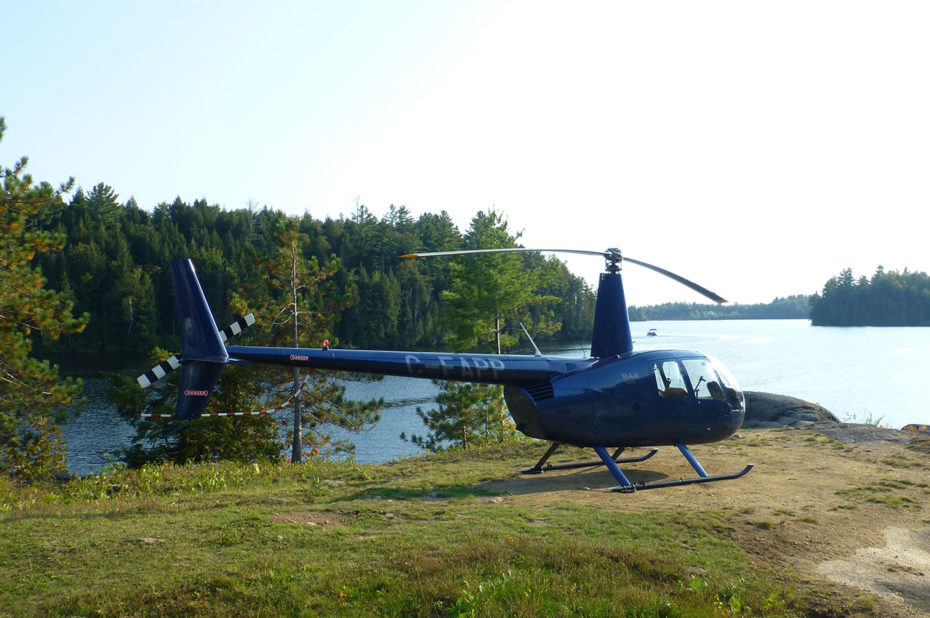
(297, 303)
(467, 414)
(32, 395)
(492, 292)
(488, 294)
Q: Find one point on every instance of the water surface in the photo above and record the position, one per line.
(860, 374)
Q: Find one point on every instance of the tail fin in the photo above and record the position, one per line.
(203, 353)
(198, 378)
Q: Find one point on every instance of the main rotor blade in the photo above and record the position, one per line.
(613, 256)
(506, 250)
(691, 284)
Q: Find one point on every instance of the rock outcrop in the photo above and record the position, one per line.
(858, 433)
(764, 410)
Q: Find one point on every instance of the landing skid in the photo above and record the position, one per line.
(627, 487)
(679, 482)
(542, 466)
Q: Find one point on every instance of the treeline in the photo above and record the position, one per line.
(793, 307)
(115, 267)
(887, 299)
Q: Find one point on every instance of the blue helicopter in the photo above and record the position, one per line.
(616, 398)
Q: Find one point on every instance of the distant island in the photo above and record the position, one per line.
(887, 299)
(792, 308)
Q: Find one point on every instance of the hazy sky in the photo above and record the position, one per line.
(757, 148)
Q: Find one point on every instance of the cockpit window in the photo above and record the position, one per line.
(669, 379)
(704, 379)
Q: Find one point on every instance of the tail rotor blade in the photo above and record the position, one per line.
(158, 372)
(237, 327)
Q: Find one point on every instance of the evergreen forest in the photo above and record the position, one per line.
(115, 267)
(791, 308)
(887, 299)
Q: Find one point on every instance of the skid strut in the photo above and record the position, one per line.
(542, 466)
(627, 487)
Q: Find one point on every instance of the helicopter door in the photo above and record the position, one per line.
(670, 381)
(675, 399)
(707, 388)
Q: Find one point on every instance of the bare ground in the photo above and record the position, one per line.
(850, 510)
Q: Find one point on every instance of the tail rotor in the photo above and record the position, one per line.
(165, 367)
(203, 353)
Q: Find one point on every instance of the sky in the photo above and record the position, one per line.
(757, 148)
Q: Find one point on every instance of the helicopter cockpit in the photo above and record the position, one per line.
(707, 379)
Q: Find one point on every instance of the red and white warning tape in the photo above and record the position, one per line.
(290, 400)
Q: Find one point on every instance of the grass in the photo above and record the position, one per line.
(921, 444)
(887, 492)
(420, 537)
(900, 462)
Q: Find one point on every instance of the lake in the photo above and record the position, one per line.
(859, 374)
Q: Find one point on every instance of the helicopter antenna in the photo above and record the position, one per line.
(538, 353)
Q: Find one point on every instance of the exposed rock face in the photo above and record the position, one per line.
(765, 410)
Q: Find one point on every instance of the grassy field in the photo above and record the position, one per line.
(427, 536)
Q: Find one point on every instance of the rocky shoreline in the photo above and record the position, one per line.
(768, 410)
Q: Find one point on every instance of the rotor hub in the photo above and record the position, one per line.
(614, 260)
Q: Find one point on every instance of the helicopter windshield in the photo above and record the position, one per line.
(703, 379)
(734, 393)
(708, 380)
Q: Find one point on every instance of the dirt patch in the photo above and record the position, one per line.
(810, 500)
(326, 520)
(899, 570)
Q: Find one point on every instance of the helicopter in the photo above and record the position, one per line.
(615, 398)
